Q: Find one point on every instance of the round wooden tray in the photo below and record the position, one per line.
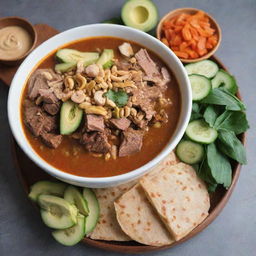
(29, 173)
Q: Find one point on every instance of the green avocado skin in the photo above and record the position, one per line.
(133, 10)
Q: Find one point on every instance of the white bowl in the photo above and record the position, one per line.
(20, 78)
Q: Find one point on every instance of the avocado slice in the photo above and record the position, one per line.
(140, 14)
(57, 212)
(73, 235)
(106, 58)
(74, 196)
(65, 67)
(46, 187)
(70, 117)
(73, 56)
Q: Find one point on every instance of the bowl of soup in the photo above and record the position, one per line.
(99, 105)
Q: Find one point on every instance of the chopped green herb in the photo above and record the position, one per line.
(120, 97)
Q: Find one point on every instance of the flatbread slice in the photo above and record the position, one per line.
(171, 159)
(139, 220)
(107, 227)
(180, 198)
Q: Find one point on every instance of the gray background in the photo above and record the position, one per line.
(233, 232)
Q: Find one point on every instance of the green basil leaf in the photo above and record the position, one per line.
(210, 114)
(204, 172)
(230, 145)
(195, 107)
(195, 114)
(220, 96)
(232, 121)
(219, 165)
(212, 187)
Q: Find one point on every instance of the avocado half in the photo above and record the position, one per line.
(140, 14)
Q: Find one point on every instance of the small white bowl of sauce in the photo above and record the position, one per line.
(17, 39)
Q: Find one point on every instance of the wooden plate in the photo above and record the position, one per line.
(29, 173)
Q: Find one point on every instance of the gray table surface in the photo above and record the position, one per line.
(233, 232)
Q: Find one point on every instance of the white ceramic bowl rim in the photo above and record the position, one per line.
(78, 33)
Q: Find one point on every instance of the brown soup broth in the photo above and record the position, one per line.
(71, 157)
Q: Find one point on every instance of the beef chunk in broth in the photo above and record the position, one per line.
(96, 142)
(39, 80)
(52, 108)
(120, 123)
(131, 142)
(51, 140)
(47, 95)
(94, 123)
(34, 118)
(147, 64)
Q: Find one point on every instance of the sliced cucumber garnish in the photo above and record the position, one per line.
(94, 210)
(225, 80)
(70, 117)
(57, 212)
(65, 67)
(73, 196)
(46, 187)
(190, 152)
(106, 57)
(200, 131)
(73, 235)
(201, 86)
(73, 56)
(205, 68)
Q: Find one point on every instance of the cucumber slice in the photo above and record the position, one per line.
(73, 56)
(225, 80)
(190, 152)
(205, 68)
(73, 196)
(200, 131)
(94, 210)
(65, 67)
(106, 57)
(46, 187)
(57, 212)
(73, 235)
(70, 117)
(201, 86)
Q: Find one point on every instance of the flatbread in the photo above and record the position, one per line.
(139, 220)
(107, 227)
(171, 159)
(180, 198)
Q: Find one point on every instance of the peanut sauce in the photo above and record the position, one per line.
(15, 41)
